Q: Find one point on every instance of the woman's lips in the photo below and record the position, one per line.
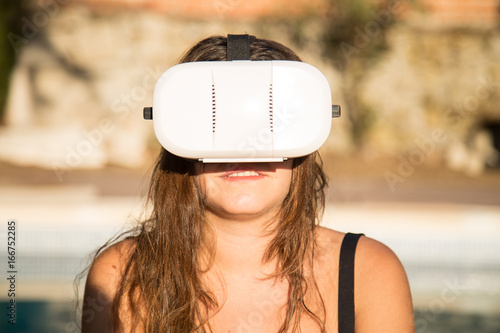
(242, 175)
(249, 173)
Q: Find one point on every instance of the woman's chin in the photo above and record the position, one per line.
(245, 212)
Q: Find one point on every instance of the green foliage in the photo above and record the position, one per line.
(11, 12)
(356, 30)
(354, 37)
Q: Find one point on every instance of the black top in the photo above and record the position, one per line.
(346, 283)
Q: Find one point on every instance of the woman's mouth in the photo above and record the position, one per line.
(249, 173)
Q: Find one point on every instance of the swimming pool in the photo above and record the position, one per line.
(59, 317)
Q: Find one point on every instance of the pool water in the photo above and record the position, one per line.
(40, 317)
(59, 317)
(449, 322)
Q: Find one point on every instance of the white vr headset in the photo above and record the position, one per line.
(242, 110)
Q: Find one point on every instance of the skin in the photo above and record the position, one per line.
(239, 210)
(243, 192)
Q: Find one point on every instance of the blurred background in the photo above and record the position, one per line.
(413, 161)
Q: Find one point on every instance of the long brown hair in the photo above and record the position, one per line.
(162, 283)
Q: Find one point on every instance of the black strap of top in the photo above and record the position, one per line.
(346, 283)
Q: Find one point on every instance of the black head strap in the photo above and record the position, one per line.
(238, 47)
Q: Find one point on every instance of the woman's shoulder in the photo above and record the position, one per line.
(370, 253)
(372, 258)
(103, 282)
(382, 293)
(108, 266)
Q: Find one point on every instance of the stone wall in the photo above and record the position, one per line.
(438, 82)
(212, 9)
(83, 77)
(463, 12)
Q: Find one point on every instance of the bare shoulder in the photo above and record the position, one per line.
(329, 240)
(374, 255)
(328, 244)
(381, 290)
(382, 293)
(107, 268)
(370, 253)
(103, 282)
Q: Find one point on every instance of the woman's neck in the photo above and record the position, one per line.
(240, 245)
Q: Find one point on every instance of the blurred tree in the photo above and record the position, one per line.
(354, 36)
(11, 13)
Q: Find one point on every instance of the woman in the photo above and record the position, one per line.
(236, 248)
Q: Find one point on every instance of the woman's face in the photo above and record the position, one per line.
(242, 191)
